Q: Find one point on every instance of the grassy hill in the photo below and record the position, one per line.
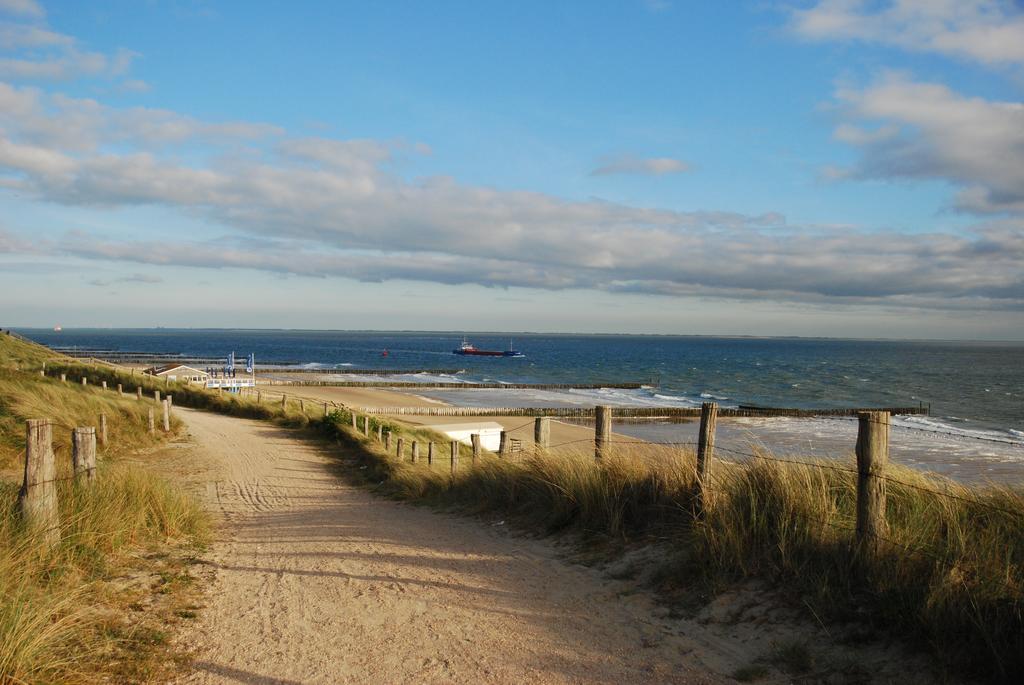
(64, 611)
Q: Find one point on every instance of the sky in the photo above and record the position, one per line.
(840, 168)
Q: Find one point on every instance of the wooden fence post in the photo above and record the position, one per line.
(152, 422)
(138, 393)
(156, 397)
(83, 453)
(380, 430)
(120, 390)
(103, 430)
(415, 451)
(401, 448)
(326, 412)
(167, 416)
(430, 453)
(503, 444)
(387, 441)
(85, 381)
(872, 457)
(602, 430)
(284, 402)
(366, 425)
(170, 401)
(37, 500)
(705, 452)
(353, 420)
(104, 384)
(63, 378)
(302, 405)
(541, 432)
(475, 439)
(455, 456)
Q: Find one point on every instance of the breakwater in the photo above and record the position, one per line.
(454, 386)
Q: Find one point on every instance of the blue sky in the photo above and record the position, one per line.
(814, 168)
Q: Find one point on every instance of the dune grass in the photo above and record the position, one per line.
(62, 608)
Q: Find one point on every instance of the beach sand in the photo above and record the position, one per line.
(519, 427)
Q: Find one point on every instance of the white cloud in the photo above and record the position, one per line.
(907, 129)
(645, 166)
(986, 31)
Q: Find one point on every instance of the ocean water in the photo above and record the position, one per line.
(975, 389)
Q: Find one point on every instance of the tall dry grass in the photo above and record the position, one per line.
(55, 602)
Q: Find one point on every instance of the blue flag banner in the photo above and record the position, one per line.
(250, 362)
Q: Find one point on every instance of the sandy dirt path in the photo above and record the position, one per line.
(316, 581)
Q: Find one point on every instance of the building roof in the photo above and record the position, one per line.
(167, 368)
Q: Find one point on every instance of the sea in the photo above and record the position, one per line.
(975, 390)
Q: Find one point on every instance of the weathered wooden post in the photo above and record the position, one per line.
(387, 441)
(302, 405)
(138, 393)
(366, 425)
(156, 397)
(152, 422)
(120, 390)
(401, 447)
(63, 378)
(167, 381)
(284, 402)
(430, 453)
(326, 412)
(475, 439)
(259, 396)
(705, 452)
(541, 432)
(85, 381)
(415, 451)
(353, 420)
(380, 429)
(872, 457)
(602, 430)
(503, 444)
(83, 453)
(42, 373)
(455, 456)
(103, 430)
(37, 500)
(170, 401)
(167, 416)
(103, 384)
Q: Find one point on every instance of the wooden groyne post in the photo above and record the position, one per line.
(37, 500)
(705, 452)
(602, 430)
(83, 453)
(542, 432)
(872, 458)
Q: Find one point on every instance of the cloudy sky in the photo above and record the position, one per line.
(836, 168)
